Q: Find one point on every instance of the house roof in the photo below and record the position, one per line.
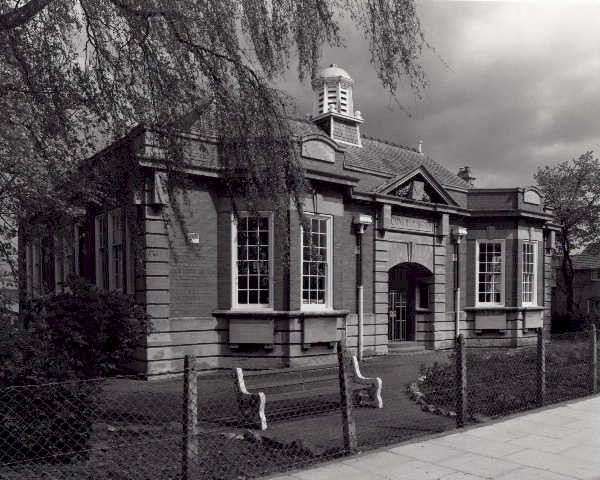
(385, 157)
(585, 262)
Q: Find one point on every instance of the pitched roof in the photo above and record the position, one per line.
(585, 262)
(385, 157)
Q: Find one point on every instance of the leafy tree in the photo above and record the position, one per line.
(572, 190)
(78, 73)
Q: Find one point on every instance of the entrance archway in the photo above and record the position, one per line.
(409, 287)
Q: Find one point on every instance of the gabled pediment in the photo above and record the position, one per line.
(417, 185)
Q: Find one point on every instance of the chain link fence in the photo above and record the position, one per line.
(238, 424)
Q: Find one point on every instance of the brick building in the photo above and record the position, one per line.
(400, 252)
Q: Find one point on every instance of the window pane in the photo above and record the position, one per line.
(242, 296)
(264, 297)
(242, 266)
(253, 297)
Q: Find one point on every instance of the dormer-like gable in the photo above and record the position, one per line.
(418, 185)
(319, 147)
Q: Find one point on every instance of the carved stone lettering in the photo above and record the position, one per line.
(318, 150)
(414, 224)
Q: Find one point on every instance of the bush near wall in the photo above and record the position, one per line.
(80, 334)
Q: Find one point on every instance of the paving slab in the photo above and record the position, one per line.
(558, 443)
(482, 465)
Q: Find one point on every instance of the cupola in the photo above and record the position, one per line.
(333, 107)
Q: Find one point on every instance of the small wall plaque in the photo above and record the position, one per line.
(194, 237)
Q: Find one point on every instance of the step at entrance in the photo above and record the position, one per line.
(404, 347)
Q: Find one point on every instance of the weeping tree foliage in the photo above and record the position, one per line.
(572, 190)
(76, 74)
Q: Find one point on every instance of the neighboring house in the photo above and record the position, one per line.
(398, 250)
(586, 286)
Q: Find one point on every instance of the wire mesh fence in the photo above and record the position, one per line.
(501, 382)
(569, 366)
(408, 410)
(236, 424)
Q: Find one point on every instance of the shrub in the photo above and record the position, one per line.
(46, 407)
(92, 331)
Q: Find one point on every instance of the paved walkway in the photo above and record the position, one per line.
(557, 443)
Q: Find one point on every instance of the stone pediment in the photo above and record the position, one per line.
(418, 185)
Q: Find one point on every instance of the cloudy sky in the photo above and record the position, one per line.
(521, 87)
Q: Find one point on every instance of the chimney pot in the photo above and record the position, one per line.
(464, 173)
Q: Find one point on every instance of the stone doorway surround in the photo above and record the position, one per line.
(414, 238)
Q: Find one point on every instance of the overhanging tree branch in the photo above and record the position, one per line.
(21, 15)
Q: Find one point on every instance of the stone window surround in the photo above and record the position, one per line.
(533, 301)
(235, 306)
(328, 305)
(502, 244)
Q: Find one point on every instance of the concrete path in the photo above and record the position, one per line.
(557, 443)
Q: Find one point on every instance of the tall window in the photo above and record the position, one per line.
(529, 283)
(114, 254)
(116, 250)
(423, 295)
(316, 263)
(101, 240)
(252, 262)
(490, 267)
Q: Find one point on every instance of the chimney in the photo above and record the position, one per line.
(464, 173)
(420, 147)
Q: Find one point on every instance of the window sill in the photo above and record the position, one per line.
(279, 313)
(480, 308)
(243, 308)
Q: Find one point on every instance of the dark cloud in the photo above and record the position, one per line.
(518, 87)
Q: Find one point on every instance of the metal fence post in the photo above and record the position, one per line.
(190, 417)
(594, 360)
(348, 424)
(461, 381)
(541, 367)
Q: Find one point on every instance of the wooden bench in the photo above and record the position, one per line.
(291, 391)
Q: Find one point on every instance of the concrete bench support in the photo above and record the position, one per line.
(252, 405)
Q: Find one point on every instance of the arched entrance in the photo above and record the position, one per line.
(409, 287)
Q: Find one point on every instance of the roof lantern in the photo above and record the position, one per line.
(333, 107)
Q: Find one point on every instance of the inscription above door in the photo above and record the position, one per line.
(410, 223)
